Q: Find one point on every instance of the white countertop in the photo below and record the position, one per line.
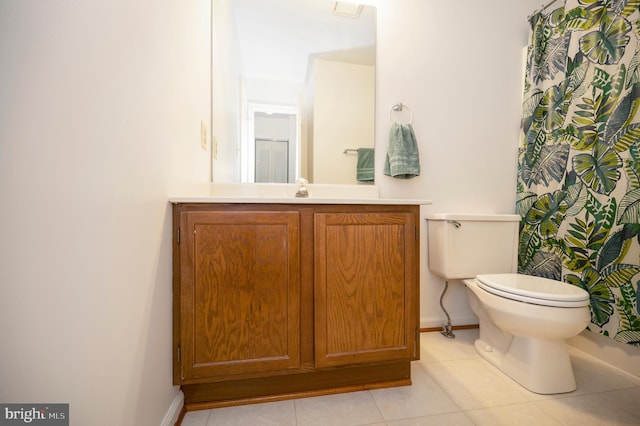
(293, 200)
(285, 194)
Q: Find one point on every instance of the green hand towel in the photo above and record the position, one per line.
(365, 165)
(402, 159)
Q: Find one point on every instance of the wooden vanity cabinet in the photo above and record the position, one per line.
(274, 301)
(365, 275)
(240, 294)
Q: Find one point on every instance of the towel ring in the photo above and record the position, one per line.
(399, 107)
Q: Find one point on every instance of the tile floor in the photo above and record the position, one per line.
(453, 386)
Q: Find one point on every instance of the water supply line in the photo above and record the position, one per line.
(446, 328)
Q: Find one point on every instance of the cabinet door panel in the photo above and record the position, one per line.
(241, 293)
(364, 268)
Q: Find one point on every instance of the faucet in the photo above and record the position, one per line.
(302, 192)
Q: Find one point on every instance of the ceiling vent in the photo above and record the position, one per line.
(349, 10)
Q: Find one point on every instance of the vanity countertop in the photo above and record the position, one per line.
(236, 193)
(293, 200)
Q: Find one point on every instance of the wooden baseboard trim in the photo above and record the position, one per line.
(455, 327)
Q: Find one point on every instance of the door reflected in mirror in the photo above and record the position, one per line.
(293, 87)
(275, 147)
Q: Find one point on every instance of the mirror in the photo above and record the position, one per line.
(293, 87)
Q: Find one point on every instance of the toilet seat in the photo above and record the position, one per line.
(534, 290)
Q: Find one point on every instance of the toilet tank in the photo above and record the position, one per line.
(465, 245)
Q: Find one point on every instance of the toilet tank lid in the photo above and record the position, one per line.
(480, 217)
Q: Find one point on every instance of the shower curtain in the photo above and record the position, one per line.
(578, 190)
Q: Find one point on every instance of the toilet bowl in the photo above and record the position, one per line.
(523, 331)
(524, 321)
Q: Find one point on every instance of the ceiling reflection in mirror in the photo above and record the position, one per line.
(293, 87)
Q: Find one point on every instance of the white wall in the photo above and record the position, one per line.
(458, 67)
(343, 117)
(273, 92)
(100, 110)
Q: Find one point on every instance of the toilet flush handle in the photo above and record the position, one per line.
(455, 223)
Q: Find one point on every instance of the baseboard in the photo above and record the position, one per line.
(454, 327)
(620, 355)
(173, 413)
(437, 323)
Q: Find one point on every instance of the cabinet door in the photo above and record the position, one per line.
(366, 287)
(240, 293)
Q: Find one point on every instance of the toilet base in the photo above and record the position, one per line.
(541, 366)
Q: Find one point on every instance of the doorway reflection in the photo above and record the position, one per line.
(272, 147)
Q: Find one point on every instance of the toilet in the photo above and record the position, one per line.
(524, 320)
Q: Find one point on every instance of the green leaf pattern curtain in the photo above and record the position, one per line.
(579, 157)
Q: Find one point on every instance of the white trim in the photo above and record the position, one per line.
(620, 355)
(174, 410)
